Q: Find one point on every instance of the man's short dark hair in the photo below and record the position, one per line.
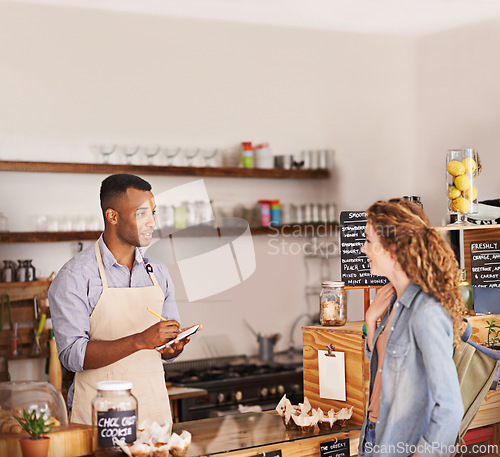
(118, 184)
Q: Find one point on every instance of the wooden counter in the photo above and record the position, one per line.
(67, 441)
(238, 435)
(251, 434)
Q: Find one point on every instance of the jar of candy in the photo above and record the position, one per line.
(333, 303)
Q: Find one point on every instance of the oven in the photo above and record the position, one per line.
(232, 383)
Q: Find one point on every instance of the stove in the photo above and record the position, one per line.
(231, 382)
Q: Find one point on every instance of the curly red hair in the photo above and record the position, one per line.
(425, 257)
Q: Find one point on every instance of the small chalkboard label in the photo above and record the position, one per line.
(355, 270)
(113, 426)
(485, 263)
(268, 454)
(337, 448)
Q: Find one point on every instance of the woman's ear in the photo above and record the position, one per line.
(111, 216)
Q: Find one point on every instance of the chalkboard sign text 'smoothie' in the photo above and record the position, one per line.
(355, 269)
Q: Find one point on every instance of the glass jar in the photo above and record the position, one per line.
(333, 303)
(462, 170)
(114, 417)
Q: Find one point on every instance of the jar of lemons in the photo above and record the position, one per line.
(462, 170)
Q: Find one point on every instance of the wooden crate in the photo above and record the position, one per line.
(347, 338)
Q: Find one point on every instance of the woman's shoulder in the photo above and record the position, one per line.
(427, 308)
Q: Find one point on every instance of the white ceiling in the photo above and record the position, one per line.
(407, 17)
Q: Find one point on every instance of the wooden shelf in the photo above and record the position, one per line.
(25, 290)
(26, 349)
(104, 168)
(46, 237)
(446, 228)
(321, 229)
(307, 229)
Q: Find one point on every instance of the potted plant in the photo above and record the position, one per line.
(37, 425)
(493, 334)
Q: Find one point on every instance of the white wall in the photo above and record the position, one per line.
(70, 77)
(458, 74)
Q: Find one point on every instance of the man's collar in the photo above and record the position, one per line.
(108, 259)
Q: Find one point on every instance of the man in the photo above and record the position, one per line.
(99, 300)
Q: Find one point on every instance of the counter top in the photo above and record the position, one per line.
(251, 431)
(180, 392)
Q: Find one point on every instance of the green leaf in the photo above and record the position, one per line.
(35, 425)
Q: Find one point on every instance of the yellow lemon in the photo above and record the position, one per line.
(470, 165)
(460, 205)
(470, 193)
(455, 168)
(453, 193)
(462, 182)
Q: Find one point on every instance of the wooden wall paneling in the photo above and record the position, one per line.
(348, 339)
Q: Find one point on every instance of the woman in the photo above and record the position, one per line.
(415, 404)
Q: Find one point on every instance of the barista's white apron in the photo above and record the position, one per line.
(121, 312)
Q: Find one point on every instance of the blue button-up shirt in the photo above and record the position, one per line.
(76, 289)
(420, 403)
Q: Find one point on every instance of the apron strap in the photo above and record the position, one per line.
(100, 265)
(153, 278)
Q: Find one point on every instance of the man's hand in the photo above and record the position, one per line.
(177, 346)
(158, 334)
(102, 353)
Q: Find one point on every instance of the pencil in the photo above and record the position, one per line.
(157, 315)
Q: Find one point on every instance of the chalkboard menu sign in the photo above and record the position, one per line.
(485, 263)
(337, 448)
(355, 270)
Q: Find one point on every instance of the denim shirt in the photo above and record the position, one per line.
(420, 403)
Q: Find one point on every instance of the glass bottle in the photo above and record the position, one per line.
(114, 417)
(467, 292)
(333, 303)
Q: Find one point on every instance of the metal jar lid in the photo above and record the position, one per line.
(333, 284)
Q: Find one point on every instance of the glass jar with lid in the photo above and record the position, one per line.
(114, 417)
(333, 303)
